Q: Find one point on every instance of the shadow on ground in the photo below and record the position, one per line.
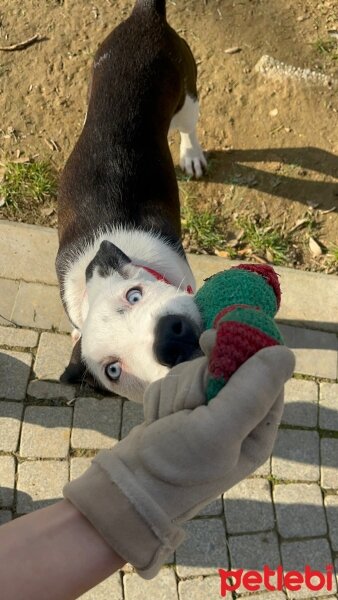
(227, 167)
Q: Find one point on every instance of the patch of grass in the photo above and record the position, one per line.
(31, 181)
(263, 238)
(312, 224)
(331, 259)
(202, 228)
(325, 47)
(182, 176)
(333, 252)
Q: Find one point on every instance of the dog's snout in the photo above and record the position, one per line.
(176, 340)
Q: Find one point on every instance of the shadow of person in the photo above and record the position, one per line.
(289, 180)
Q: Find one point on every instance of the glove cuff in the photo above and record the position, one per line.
(124, 514)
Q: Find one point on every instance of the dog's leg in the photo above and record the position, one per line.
(192, 159)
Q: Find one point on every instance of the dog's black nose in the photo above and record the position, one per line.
(176, 340)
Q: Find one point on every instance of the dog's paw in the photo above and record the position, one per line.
(192, 160)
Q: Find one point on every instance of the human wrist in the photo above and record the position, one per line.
(124, 514)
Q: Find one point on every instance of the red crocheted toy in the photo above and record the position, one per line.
(241, 304)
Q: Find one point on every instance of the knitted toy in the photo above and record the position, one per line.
(240, 304)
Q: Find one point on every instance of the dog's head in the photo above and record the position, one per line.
(135, 327)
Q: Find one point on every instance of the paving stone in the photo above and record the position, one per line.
(162, 587)
(301, 403)
(248, 507)
(37, 305)
(296, 455)
(8, 292)
(315, 553)
(40, 484)
(10, 422)
(14, 336)
(52, 356)
(132, 415)
(15, 368)
(331, 506)
(65, 324)
(46, 432)
(96, 423)
(198, 588)
(324, 288)
(78, 466)
(329, 463)
(316, 351)
(299, 509)
(264, 470)
(109, 589)
(214, 509)
(7, 481)
(328, 406)
(33, 257)
(5, 516)
(252, 552)
(204, 550)
(46, 390)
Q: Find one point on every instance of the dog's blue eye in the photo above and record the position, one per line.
(134, 295)
(113, 371)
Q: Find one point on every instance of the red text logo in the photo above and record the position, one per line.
(275, 579)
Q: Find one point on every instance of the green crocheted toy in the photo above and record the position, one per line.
(240, 304)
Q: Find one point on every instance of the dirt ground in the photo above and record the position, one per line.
(271, 143)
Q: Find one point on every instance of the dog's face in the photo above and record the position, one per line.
(135, 327)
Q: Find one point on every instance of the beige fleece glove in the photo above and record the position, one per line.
(183, 456)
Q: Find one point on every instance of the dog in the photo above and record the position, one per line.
(125, 282)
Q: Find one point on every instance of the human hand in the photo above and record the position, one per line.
(183, 456)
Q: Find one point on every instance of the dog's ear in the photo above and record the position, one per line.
(108, 258)
(76, 369)
(76, 372)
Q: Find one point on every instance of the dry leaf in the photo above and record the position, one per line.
(269, 256)
(315, 248)
(299, 223)
(48, 211)
(222, 253)
(21, 159)
(259, 259)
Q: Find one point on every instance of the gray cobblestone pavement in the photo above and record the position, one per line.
(285, 514)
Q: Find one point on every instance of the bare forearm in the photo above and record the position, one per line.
(53, 553)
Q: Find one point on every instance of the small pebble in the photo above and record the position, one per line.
(233, 50)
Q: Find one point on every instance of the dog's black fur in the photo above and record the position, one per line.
(121, 171)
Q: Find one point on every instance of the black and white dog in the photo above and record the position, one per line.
(125, 282)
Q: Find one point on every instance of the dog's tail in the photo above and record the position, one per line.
(153, 5)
